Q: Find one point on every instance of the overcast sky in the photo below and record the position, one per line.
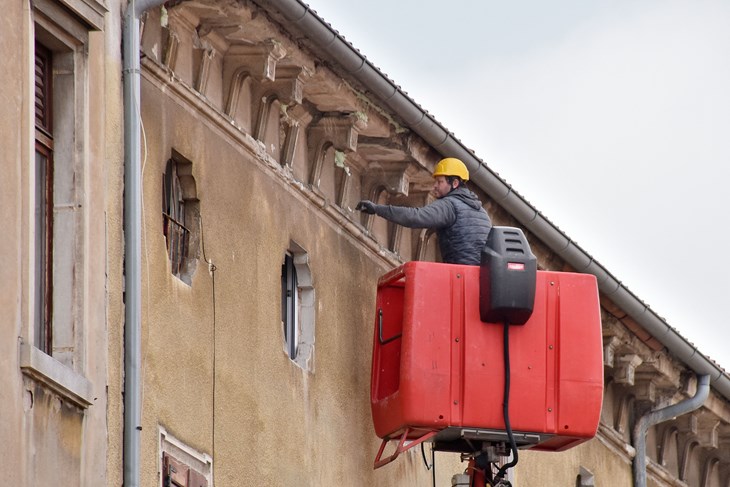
(612, 118)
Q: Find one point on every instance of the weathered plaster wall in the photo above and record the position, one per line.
(113, 184)
(563, 468)
(268, 421)
(13, 140)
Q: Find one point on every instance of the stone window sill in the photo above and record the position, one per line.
(55, 375)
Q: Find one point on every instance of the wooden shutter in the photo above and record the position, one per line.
(43, 88)
(196, 479)
(177, 474)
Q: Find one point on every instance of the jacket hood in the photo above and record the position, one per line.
(466, 196)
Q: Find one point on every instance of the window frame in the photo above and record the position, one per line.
(43, 183)
(177, 235)
(56, 256)
(183, 246)
(171, 450)
(298, 300)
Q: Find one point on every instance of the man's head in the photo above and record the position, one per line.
(449, 174)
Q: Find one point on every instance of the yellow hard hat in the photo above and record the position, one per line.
(451, 166)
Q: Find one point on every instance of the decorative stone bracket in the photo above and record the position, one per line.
(286, 87)
(393, 178)
(244, 61)
(258, 60)
(287, 84)
(626, 368)
(338, 131)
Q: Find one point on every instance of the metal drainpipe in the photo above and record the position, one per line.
(659, 416)
(132, 241)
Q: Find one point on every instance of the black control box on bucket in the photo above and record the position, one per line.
(507, 277)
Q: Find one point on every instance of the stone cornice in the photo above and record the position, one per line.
(167, 82)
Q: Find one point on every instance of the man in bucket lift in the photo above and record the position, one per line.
(461, 223)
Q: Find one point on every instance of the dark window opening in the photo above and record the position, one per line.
(289, 305)
(177, 235)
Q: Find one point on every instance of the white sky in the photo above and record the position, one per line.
(611, 118)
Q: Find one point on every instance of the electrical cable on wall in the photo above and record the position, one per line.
(211, 269)
(431, 467)
(144, 239)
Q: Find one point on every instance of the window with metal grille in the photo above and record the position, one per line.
(173, 218)
(180, 216)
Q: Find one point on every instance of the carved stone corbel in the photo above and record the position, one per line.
(394, 178)
(645, 390)
(626, 368)
(286, 88)
(259, 60)
(623, 412)
(209, 45)
(708, 433)
(424, 235)
(686, 457)
(610, 345)
(171, 42)
(288, 83)
(688, 424)
(338, 131)
(711, 464)
(297, 117)
(201, 80)
(669, 435)
(244, 61)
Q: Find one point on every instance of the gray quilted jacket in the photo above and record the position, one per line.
(462, 225)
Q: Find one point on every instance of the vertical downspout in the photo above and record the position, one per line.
(659, 416)
(132, 241)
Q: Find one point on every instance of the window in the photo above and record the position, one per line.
(43, 199)
(176, 474)
(53, 351)
(290, 305)
(180, 217)
(173, 221)
(182, 466)
(59, 206)
(297, 307)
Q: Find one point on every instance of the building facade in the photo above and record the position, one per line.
(61, 266)
(260, 130)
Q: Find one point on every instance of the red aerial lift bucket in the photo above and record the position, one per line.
(438, 370)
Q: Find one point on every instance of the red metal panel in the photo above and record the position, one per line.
(531, 365)
(446, 369)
